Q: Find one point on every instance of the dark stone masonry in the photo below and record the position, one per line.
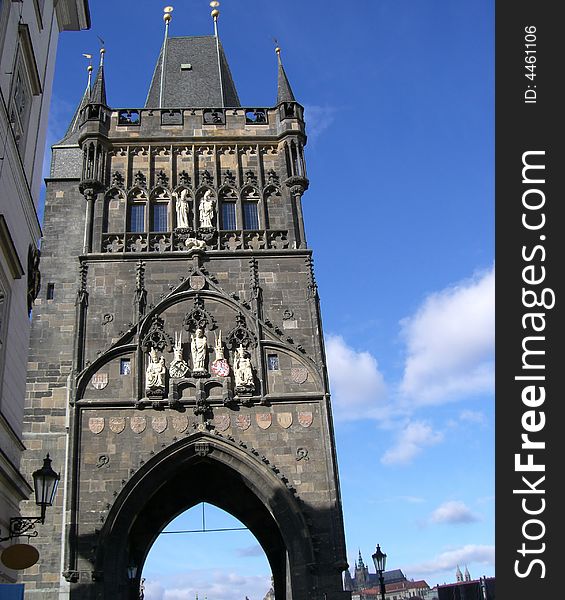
(176, 352)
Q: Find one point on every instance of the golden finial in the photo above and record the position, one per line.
(215, 12)
(167, 14)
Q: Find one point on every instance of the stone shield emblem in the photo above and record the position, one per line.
(197, 282)
(222, 422)
(99, 381)
(117, 424)
(299, 374)
(243, 421)
(96, 424)
(305, 418)
(284, 419)
(138, 424)
(159, 424)
(180, 423)
(264, 420)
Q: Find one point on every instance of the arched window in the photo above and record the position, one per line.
(136, 220)
(228, 199)
(250, 204)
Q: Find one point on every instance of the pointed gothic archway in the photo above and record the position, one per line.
(205, 468)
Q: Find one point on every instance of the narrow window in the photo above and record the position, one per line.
(228, 215)
(273, 362)
(136, 218)
(160, 217)
(125, 366)
(250, 215)
(50, 291)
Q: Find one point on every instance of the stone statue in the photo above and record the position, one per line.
(220, 366)
(206, 210)
(155, 372)
(195, 244)
(199, 350)
(178, 367)
(243, 371)
(183, 209)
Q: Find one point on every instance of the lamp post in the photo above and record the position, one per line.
(45, 482)
(379, 558)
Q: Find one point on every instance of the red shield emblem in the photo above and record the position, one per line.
(264, 420)
(138, 424)
(117, 424)
(220, 367)
(243, 421)
(305, 418)
(222, 422)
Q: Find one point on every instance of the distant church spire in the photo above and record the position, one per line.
(98, 95)
(458, 574)
(284, 91)
(467, 574)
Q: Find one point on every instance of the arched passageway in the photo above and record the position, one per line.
(211, 469)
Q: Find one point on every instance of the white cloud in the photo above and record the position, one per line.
(357, 386)
(448, 561)
(474, 417)
(450, 343)
(210, 584)
(410, 441)
(453, 512)
(318, 119)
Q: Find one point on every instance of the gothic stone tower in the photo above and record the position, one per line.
(177, 353)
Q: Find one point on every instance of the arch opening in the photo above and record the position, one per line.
(206, 553)
(209, 469)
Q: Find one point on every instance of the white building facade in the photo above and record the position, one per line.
(29, 31)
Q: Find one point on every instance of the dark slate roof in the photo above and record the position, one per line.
(98, 95)
(71, 135)
(198, 86)
(284, 94)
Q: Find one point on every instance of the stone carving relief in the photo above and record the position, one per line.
(182, 206)
(243, 372)
(199, 351)
(178, 367)
(155, 373)
(207, 208)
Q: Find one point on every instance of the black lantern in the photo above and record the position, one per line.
(379, 558)
(45, 482)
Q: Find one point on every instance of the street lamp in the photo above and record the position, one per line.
(45, 482)
(379, 558)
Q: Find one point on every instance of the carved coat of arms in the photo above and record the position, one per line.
(284, 419)
(180, 423)
(138, 424)
(117, 424)
(305, 418)
(264, 420)
(159, 424)
(221, 422)
(243, 421)
(96, 424)
(99, 380)
(299, 374)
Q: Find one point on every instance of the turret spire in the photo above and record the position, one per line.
(75, 121)
(98, 95)
(284, 91)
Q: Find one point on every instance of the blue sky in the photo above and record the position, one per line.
(399, 101)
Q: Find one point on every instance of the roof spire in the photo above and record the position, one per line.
(74, 124)
(98, 95)
(167, 18)
(215, 14)
(284, 91)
